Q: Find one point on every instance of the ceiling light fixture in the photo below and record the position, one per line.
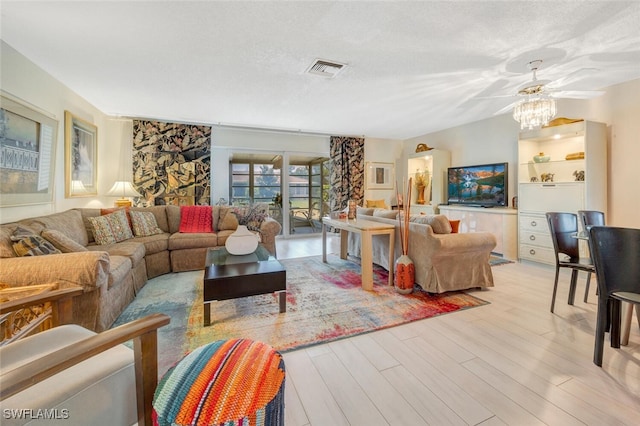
(537, 108)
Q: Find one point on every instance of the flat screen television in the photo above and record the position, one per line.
(480, 186)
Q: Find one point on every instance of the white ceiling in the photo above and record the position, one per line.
(413, 67)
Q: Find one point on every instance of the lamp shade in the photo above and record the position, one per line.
(77, 187)
(122, 188)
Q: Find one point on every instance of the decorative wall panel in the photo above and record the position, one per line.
(347, 171)
(171, 163)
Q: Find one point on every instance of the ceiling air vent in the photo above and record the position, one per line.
(325, 68)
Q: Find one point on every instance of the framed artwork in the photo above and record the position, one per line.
(80, 157)
(379, 175)
(27, 154)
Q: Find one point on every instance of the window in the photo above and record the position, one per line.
(254, 182)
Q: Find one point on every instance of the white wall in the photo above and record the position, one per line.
(30, 85)
(384, 151)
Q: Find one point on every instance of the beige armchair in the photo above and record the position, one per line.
(72, 375)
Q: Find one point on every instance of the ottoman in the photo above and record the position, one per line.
(227, 382)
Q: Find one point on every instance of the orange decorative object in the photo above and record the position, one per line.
(404, 276)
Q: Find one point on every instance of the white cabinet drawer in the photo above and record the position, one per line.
(536, 239)
(537, 254)
(547, 197)
(534, 223)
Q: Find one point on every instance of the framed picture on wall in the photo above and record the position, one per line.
(27, 159)
(80, 157)
(379, 175)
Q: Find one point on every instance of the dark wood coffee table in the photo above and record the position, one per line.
(227, 276)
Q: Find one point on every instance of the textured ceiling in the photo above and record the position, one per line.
(413, 67)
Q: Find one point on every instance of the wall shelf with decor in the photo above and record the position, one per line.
(560, 169)
(432, 165)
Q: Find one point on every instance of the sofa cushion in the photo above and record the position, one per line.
(134, 250)
(160, 212)
(384, 213)
(144, 224)
(69, 222)
(196, 219)
(155, 243)
(6, 245)
(61, 241)
(26, 243)
(173, 218)
(180, 241)
(439, 222)
(111, 228)
(365, 211)
(227, 221)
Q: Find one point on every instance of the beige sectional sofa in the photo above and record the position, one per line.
(444, 261)
(112, 274)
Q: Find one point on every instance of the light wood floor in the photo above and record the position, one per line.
(510, 362)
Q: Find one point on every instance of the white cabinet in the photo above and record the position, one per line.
(500, 221)
(574, 178)
(433, 164)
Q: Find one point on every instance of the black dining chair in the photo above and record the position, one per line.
(564, 229)
(590, 218)
(616, 256)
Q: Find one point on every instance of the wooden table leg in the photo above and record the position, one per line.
(324, 243)
(283, 301)
(207, 314)
(344, 239)
(392, 255)
(366, 261)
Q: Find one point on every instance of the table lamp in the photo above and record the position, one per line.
(123, 189)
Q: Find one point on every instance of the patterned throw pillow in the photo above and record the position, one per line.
(144, 224)
(26, 243)
(111, 228)
(251, 216)
(196, 219)
(61, 241)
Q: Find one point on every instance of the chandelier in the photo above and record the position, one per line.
(535, 111)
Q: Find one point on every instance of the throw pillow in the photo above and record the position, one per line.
(196, 219)
(61, 241)
(227, 220)
(26, 243)
(376, 204)
(111, 228)
(127, 210)
(455, 225)
(251, 216)
(144, 224)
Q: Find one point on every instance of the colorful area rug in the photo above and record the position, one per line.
(325, 302)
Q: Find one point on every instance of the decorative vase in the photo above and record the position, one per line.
(541, 158)
(242, 241)
(404, 276)
(420, 199)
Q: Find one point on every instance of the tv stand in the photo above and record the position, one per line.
(500, 221)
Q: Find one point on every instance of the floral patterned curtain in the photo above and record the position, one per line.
(347, 171)
(171, 163)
